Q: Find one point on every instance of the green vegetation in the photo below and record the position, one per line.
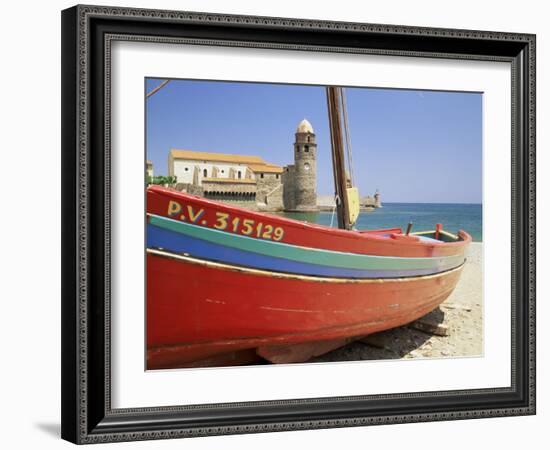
(162, 180)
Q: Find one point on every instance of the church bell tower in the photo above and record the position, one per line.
(305, 166)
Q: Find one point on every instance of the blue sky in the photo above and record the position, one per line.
(414, 146)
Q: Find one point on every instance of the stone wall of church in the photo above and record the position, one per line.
(193, 172)
(289, 198)
(269, 191)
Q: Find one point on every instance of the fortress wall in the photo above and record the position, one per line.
(289, 202)
(270, 191)
(237, 188)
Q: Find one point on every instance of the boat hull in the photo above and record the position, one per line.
(198, 309)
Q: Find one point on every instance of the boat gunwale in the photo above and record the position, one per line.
(358, 234)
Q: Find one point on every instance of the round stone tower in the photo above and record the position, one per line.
(305, 168)
(377, 201)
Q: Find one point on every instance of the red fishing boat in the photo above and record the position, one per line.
(226, 285)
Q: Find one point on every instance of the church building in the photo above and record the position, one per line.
(250, 181)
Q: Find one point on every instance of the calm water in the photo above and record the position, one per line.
(424, 216)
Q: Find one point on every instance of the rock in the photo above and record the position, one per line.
(438, 329)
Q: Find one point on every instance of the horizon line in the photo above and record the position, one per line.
(436, 203)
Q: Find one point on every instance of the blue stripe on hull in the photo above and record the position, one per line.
(160, 238)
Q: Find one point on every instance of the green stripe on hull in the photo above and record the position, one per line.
(303, 254)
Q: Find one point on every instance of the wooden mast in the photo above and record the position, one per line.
(334, 100)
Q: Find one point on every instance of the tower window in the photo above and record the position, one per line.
(306, 148)
(308, 139)
(297, 149)
(186, 169)
(239, 174)
(261, 175)
(277, 176)
(204, 173)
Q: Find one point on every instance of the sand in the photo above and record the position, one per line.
(461, 314)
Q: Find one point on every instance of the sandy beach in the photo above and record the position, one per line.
(460, 318)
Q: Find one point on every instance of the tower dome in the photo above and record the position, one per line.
(304, 127)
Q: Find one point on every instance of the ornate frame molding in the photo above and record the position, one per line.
(85, 30)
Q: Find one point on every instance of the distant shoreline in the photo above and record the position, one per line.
(428, 203)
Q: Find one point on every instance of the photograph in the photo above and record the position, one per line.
(292, 223)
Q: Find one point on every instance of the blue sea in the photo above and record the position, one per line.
(424, 216)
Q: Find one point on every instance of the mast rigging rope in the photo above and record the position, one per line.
(347, 136)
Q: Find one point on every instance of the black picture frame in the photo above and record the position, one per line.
(87, 415)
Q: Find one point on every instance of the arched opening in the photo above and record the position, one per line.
(204, 173)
